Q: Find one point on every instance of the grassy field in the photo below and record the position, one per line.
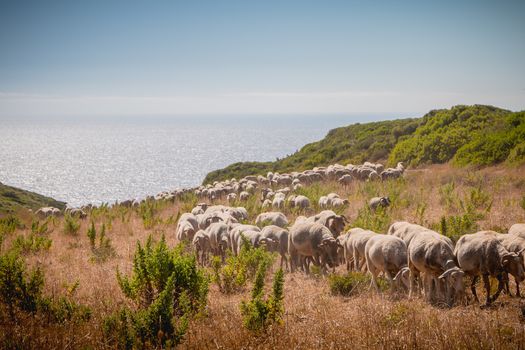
(451, 200)
(13, 199)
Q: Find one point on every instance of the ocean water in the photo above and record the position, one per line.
(94, 160)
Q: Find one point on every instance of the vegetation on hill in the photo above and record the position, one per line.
(466, 135)
(13, 199)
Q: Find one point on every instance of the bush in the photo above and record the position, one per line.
(377, 221)
(105, 250)
(21, 291)
(232, 276)
(168, 288)
(351, 284)
(32, 243)
(260, 312)
(71, 225)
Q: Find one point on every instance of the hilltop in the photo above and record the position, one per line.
(465, 135)
(13, 199)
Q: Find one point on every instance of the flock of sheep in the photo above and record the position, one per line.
(411, 257)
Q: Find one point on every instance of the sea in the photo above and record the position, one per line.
(83, 160)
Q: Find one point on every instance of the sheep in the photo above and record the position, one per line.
(324, 202)
(335, 223)
(76, 212)
(266, 204)
(277, 241)
(518, 230)
(387, 254)
(341, 249)
(185, 231)
(219, 238)
(199, 209)
(377, 202)
(301, 202)
(315, 241)
(201, 244)
(278, 202)
(271, 218)
(338, 202)
(243, 196)
(513, 243)
(432, 254)
(483, 254)
(231, 197)
(207, 219)
(345, 180)
(235, 232)
(44, 212)
(354, 249)
(405, 230)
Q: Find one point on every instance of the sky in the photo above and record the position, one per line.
(86, 58)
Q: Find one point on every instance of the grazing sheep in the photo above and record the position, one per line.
(76, 212)
(335, 223)
(185, 231)
(338, 202)
(266, 204)
(405, 230)
(301, 202)
(231, 197)
(201, 244)
(315, 241)
(354, 249)
(271, 218)
(483, 254)
(277, 238)
(278, 202)
(206, 219)
(518, 230)
(243, 196)
(45, 212)
(235, 232)
(377, 202)
(324, 202)
(345, 180)
(219, 238)
(387, 254)
(432, 254)
(516, 244)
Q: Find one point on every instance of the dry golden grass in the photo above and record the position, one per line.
(313, 317)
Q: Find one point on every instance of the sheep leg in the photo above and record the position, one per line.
(486, 282)
(517, 288)
(413, 288)
(473, 282)
(501, 285)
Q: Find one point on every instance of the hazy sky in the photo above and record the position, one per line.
(178, 57)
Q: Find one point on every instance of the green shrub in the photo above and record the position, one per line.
(377, 221)
(260, 312)
(231, 277)
(168, 288)
(22, 291)
(32, 243)
(456, 226)
(148, 213)
(9, 224)
(105, 250)
(71, 225)
(350, 284)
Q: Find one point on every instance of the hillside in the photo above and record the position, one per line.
(12, 199)
(467, 135)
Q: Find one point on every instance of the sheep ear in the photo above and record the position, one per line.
(345, 219)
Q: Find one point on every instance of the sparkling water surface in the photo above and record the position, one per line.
(94, 160)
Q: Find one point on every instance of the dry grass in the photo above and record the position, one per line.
(313, 317)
